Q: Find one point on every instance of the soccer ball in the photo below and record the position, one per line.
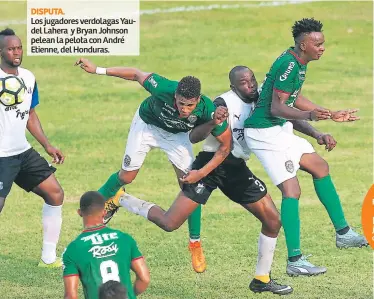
(12, 90)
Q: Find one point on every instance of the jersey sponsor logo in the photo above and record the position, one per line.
(167, 108)
(175, 123)
(98, 239)
(152, 81)
(21, 114)
(289, 166)
(287, 72)
(104, 251)
(240, 133)
(10, 108)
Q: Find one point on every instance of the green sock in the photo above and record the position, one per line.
(291, 224)
(194, 223)
(111, 186)
(330, 199)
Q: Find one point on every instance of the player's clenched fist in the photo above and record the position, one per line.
(220, 115)
(87, 65)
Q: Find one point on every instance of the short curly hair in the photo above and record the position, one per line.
(189, 87)
(305, 26)
(4, 33)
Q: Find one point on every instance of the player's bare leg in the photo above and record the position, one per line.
(169, 220)
(297, 264)
(53, 195)
(194, 228)
(319, 169)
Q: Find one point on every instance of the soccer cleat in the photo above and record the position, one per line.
(197, 256)
(350, 239)
(257, 286)
(303, 267)
(112, 205)
(56, 264)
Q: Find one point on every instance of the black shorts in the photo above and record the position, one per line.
(27, 170)
(232, 177)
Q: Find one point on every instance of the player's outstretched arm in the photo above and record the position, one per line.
(346, 115)
(280, 109)
(142, 275)
(303, 104)
(304, 127)
(71, 287)
(35, 128)
(201, 132)
(127, 73)
(225, 140)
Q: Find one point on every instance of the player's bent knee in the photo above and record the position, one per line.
(170, 226)
(272, 225)
(56, 198)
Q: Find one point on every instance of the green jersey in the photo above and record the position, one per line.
(98, 255)
(159, 109)
(286, 75)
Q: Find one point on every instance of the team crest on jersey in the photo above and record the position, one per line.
(199, 188)
(192, 118)
(127, 160)
(289, 166)
(302, 75)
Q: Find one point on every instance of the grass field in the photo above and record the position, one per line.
(88, 117)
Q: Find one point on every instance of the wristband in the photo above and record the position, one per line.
(310, 116)
(101, 70)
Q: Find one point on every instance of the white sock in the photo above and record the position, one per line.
(194, 240)
(136, 205)
(266, 248)
(52, 221)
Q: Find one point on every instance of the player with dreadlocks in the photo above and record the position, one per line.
(269, 135)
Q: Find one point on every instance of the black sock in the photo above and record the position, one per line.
(343, 230)
(294, 258)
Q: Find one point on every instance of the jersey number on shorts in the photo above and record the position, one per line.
(109, 271)
(258, 183)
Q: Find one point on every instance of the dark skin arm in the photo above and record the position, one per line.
(304, 127)
(225, 140)
(280, 109)
(127, 73)
(35, 128)
(302, 103)
(71, 287)
(201, 132)
(142, 275)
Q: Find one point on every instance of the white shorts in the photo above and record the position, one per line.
(278, 149)
(143, 137)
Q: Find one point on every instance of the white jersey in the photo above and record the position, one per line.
(238, 113)
(13, 119)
